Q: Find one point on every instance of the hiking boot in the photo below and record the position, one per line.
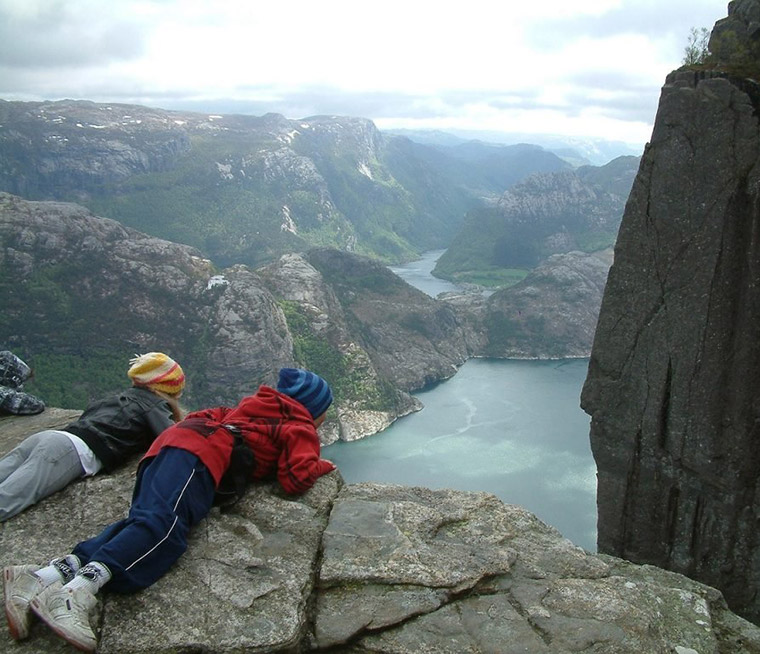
(20, 587)
(67, 613)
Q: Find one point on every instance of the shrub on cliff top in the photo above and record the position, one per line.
(697, 50)
(731, 47)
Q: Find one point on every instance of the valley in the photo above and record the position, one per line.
(256, 242)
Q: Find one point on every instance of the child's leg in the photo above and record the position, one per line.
(41, 465)
(174, 491)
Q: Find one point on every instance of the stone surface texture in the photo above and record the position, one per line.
(370, 568)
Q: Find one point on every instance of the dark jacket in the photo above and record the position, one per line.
(119, 426)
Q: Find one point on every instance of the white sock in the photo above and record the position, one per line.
(91, 577)
(61, 569)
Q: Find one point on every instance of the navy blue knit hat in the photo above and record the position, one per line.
(307, 388)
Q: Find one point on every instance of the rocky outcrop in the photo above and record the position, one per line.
(373, 402)
(735, 40)
(118, 291)
(552, 313)
(674, 378)
(411, 338)
(371, 568)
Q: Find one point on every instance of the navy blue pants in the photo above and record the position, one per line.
(173, 492)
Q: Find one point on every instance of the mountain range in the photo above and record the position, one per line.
(240, 244)
(578, 151)
(246, 189)
(83, 293)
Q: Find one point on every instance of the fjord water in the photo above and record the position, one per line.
(417, 273)
(512, 428)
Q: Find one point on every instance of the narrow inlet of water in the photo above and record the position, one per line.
(418, 274)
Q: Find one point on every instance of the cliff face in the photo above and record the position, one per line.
(370, 568)
(674, 380)
(412, 338)
(53, 149)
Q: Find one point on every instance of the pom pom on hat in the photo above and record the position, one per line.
(158, 372)
(307, 388)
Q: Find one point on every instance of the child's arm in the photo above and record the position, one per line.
(299, 465)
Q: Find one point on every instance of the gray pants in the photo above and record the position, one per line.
(40, 465)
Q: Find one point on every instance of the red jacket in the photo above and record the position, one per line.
(279, 430)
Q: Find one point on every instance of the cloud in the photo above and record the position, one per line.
(50, 35)
(658, 21)
(587, 65)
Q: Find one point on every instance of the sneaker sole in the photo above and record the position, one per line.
(47, 619)
(16, 631)
(15, 621)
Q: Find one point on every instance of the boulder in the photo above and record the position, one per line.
(552, 313)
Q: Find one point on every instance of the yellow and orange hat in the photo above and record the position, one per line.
(158, 372)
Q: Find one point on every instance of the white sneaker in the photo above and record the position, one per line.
(20, 587)
(67, 613)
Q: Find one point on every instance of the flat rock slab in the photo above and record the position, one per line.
(409, 570)
(372, 568)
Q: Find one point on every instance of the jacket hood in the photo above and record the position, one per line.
(269, 403)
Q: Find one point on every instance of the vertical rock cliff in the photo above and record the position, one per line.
(674, 380)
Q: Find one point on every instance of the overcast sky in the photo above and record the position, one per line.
(586, 68)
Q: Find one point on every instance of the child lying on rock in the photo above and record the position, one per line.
(105, 436)
(174, 490)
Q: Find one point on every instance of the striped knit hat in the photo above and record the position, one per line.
(157, 372)
(307, 388)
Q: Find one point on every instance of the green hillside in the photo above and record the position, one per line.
(545, 214)
(246, 189)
